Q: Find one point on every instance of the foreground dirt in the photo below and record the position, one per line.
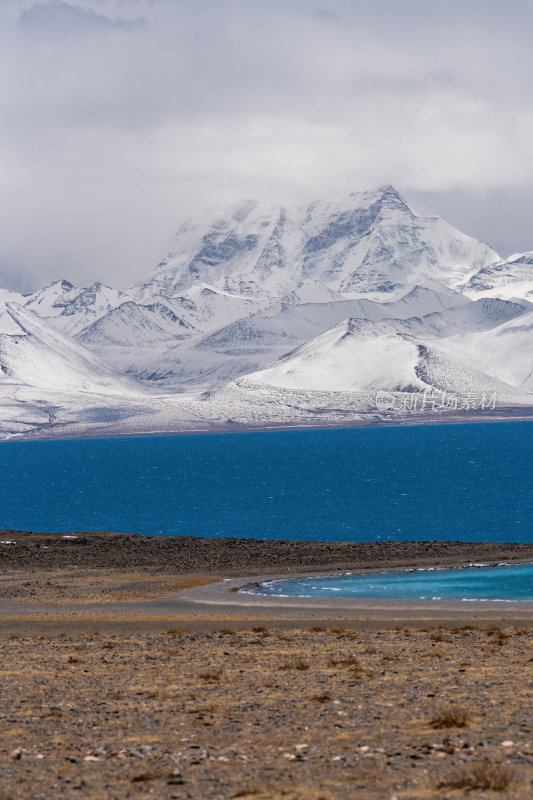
(257, 715)
(102, 696)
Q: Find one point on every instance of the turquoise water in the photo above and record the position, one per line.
(452, 482)
(478, 583)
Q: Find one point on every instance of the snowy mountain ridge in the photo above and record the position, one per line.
(263, 314)
(371, 242)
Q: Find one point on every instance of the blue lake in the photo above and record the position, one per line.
(454, 482)
(504, 583)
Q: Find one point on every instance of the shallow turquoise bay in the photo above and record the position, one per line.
(502, 583)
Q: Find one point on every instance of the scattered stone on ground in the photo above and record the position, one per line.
(333, 714)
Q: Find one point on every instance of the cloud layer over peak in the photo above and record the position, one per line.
(121, 117)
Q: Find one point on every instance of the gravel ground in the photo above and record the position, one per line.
(265, 715)
(100, 703)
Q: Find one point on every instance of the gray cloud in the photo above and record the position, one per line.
(57, 18)
(326, 16)
(120, 117)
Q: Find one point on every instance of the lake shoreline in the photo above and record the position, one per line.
(71, 581)
(498, 415)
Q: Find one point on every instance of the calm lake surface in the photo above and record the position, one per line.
(454, 482)
(503, 583)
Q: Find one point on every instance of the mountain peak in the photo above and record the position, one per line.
(391, 196)
(387, 188)
(62, 284)
(367, 242)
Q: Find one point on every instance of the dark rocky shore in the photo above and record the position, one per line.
(234, 557)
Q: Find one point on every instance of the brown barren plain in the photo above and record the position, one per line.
(113, 684)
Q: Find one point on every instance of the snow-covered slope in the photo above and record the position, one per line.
(508, 279)
(422, 311)
(135, 325)
(297, 322)
(482, 314)
(252, 342)
(206, 308)
(359, 357)
(349, 357)
(7, 323)
(505, 352)
(38, 355)
(255, 342)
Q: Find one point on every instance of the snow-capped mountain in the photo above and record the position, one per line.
(509, 279)
(371, 242)
(7, 323)
(263, 315)
(72, 308)
(361, 356)
(253, 342)
(135, 325)
(298, 322)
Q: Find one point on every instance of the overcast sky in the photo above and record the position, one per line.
(120, 117)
